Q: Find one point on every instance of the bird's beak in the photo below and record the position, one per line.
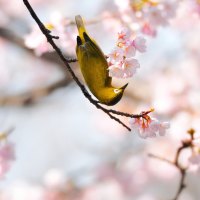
(123, 87)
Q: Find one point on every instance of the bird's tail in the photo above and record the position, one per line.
(80, 26)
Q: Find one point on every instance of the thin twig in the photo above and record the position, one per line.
(181, 169)
(178, 155)
(181, 184)
(178, 166)
(142, 114)
(160, 158)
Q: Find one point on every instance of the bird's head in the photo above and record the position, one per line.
(110, 95)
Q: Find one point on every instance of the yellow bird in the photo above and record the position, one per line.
(94, 68)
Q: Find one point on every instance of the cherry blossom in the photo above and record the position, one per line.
(148, 30)
(124, 34)
(129, 66)
(156, 17)
(124, 69)
(140, 44)
(195, 159)
(37, 41)
(149, 127)
(116, 55)
(130, 46)
(146, 16)
(59, 26)
(129, 49)
(7, 155)
(159, 14)
(170, 8)
(122, 63)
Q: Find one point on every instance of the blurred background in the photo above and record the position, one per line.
(67, 149)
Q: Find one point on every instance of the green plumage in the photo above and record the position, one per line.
(94, 68)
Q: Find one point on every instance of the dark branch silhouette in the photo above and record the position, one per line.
(182, 170)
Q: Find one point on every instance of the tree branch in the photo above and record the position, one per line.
(181, 184)
(160, 158)
(30, 97)
(176, 164)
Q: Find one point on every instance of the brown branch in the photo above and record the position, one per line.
(181, 184)
(177, 165)
(30, 97)
(160, 158)
(176, 160)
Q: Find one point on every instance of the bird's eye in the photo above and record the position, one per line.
(116, 91)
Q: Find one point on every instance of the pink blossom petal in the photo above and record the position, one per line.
(7, 152)
(115, 70)
(156, 17)
(194, 159)
(140, 44)
(37, 41)
(149, 30)
(129, 51)
(116, 55)
(149, 128)
(7, 155)
(124, 34)
(125, 69)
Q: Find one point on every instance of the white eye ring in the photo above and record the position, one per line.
(116, 91)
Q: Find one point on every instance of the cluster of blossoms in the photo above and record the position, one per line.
(147, 15)
(59, 26)
(122, 63)
(7, 154)
(149, 127)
